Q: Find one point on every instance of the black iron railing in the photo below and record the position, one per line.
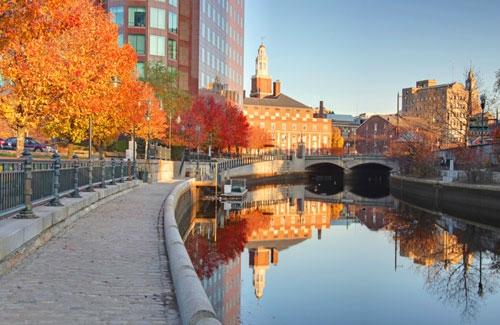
(25, 182)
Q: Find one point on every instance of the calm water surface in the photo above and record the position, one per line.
(320, 254)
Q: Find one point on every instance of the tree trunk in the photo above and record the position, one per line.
(101, 150)
(70, 151)
(21, 136)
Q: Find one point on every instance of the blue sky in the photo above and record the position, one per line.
(356, 55)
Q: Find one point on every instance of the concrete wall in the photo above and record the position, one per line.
(193, 303)
(479, 203)
(159, 170)
(266, 168)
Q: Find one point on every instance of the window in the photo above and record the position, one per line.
(157, 17)
(137, 17)
(120, 40)
(156, 45)
(140, 69)
(117, 14)
(174, 3)
(173, 23)
(138, 42)
(172, 49)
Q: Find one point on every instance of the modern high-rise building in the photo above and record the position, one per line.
(150, 27)
(211, 39)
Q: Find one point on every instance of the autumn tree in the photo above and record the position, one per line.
(259, 138)
(60, 59)
(165, 83)
(212, 123)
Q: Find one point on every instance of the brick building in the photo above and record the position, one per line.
(288, 121)
(448, 106)
(200, 39)
(375, 135)
(150, 27)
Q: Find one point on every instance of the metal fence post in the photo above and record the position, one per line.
(113, 182)
(91, 181)
(103, 173)
(134, 169)
(55, 183)
(129, 171)
(28, 190)
(76, 166)
(121, 171)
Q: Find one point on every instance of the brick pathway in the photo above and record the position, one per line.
(108, 267)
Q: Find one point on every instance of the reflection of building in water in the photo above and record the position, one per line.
(223, 288)
(442, 247)
(274, 228)
(371, 217)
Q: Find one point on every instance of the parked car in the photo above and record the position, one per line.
(2, 143)
(30, 143)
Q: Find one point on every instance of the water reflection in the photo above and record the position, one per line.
(438, 260)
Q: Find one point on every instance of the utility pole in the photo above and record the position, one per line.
(397, 118)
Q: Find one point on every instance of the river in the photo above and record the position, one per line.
(324, 252)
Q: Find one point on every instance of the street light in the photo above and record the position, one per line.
(483, 104)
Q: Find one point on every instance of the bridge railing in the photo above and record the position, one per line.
(204, 167)
(248, 160)
(25, 182)
(347, 157)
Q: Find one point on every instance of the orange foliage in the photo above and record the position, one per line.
(259, 138)
(61, 58)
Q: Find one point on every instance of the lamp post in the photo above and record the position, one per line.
(198, 130)
(483, 104)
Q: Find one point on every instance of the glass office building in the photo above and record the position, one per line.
(211, 40)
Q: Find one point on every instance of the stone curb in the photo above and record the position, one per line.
(21, 237)
(193, 303)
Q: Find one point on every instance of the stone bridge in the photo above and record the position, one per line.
(351, 162)
(279, 165)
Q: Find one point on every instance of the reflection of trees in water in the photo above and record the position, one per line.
(207, 255)
(457, 268)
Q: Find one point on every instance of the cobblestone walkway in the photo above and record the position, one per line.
(108, 267)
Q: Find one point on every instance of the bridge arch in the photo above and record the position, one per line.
(387, 164)
(333, 166)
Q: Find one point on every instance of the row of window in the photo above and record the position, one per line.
(137, 18)
(314, 127)
(156, 45)
(220, 43)
(140, 69)
(207, 78)
(220, 19)
(219, 66)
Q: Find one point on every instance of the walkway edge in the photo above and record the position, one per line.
(21, 237)
(193, 303)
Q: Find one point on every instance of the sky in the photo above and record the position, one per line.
(356, 55)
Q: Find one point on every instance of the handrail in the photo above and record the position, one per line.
(43, 181)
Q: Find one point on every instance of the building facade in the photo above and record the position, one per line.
(446, 105)
(150, 27)
(211, 40)
(376, 135)
(348, 125)
(287, 121)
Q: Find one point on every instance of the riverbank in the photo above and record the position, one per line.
(482, 202)
(192, 300)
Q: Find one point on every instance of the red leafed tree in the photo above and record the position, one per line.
(211, 122)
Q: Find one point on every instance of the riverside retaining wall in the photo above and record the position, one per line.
(193, 303)
(474, 202)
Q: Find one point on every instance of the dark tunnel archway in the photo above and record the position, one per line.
(325, 179)
(370, 180)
